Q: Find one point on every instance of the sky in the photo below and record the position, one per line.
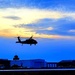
(51, 22)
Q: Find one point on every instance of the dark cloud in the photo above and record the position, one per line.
(42, 23)
(12, 17)
(60, 27)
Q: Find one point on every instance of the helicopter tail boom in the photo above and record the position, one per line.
(17, 42)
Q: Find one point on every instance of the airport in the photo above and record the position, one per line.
(16, 63)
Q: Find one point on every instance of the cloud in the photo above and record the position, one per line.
(38, 21)
(10, 33)
(41, 23)
(51, 27)
(72, 31)
(40, 4)
(39, 26)
(28, 16)
(12, 17)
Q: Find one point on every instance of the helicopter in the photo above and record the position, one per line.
(27, 41)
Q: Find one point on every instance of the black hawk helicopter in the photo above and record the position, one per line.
(27, 41)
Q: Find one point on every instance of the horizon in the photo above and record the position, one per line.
(34, 59)
(51, 22)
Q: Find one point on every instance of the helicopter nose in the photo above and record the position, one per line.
(36, 42)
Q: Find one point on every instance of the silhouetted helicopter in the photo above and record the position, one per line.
(27, 41)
